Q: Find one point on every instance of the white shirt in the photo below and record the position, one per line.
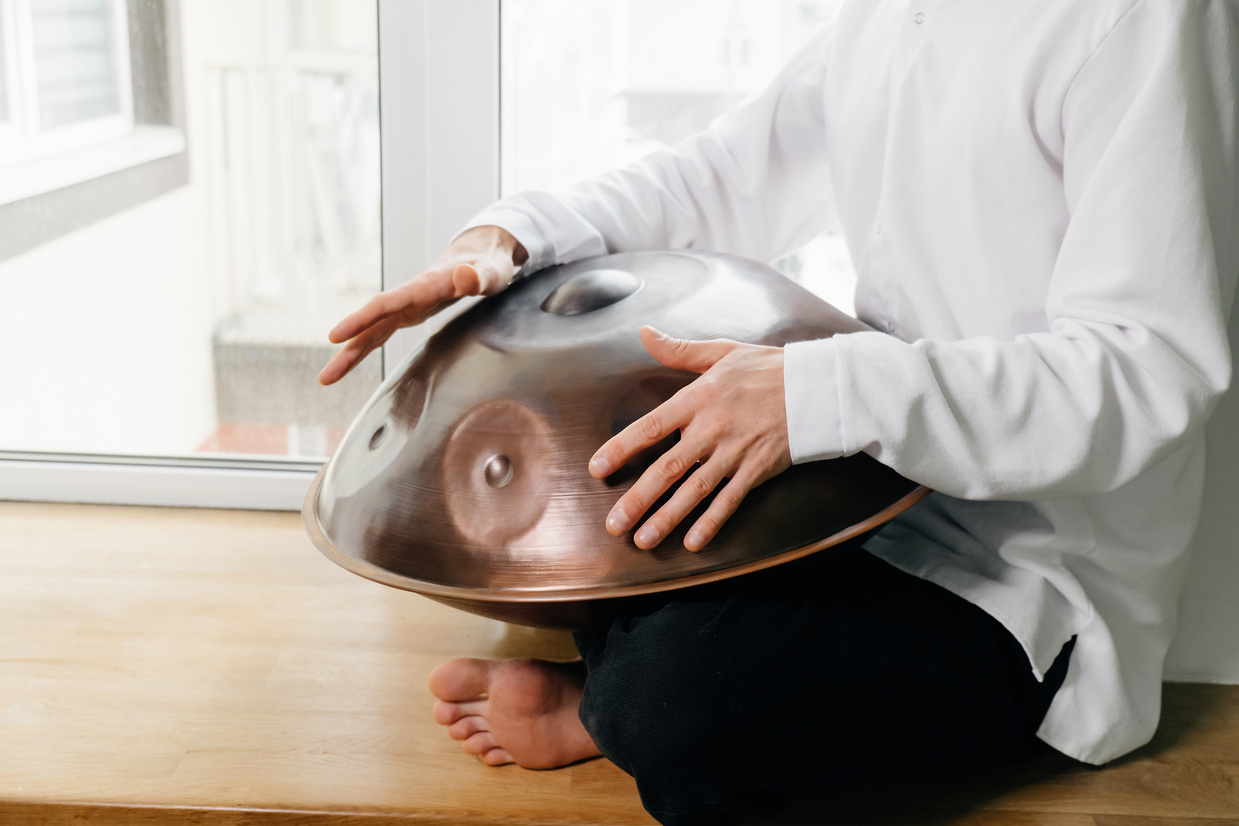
(1040, 200)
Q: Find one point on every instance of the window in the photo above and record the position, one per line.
(190, 322)
(588, 86)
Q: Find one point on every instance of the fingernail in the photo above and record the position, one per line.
(599, 466)
(648, 535)
(659, 334)
(693, 541)
(618, 522)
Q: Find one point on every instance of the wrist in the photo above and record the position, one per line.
(490, 240)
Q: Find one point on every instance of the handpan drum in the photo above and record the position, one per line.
(465, 477)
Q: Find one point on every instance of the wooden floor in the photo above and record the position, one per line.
(207, 667)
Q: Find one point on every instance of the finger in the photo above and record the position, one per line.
(415, 314)
(341, 363)
(370, 340)
(681, 354)
(355, 351)
(412, 299)
(481, 743)
(646, 431)
(356, 321)
(497, 757)
(411, 318)
(377, 309)
(654, 482)
(692, 493)
(721, 509)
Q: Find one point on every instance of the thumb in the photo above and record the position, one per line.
(681, 354)
(482, 277)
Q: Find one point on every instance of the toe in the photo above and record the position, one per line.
(466, 727)
(480, 743)
(459, 680)
(446, 714)
(496, 757)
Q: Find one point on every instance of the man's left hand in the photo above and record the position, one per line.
(731, 419)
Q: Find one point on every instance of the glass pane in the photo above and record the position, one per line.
(75, 55)
(196, 322)
(4, 72)
(589, 85)
(318, 25)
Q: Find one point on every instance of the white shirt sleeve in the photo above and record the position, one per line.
(1136, 355)
(755, 184)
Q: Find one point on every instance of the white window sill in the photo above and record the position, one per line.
(36, 177)
(172, 482)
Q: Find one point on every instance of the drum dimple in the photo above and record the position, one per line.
(586, 302)
(591, 291)
(496, 472)
(377, 438)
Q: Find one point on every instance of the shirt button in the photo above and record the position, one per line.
(920, 18)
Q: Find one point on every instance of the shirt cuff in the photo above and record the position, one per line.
(550, 231)
(811, 393)
(522, 227)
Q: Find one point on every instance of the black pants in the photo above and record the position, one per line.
(838, 667)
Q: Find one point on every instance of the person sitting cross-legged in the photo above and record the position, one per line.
(1041, 202)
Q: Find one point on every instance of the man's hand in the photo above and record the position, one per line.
(480, 261)
(732, 420)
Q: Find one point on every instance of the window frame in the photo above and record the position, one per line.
(435, 179)
(432, 106)
(10, 127)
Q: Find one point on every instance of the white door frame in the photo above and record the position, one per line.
(440, 108)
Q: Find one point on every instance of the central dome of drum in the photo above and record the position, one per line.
(465, 477)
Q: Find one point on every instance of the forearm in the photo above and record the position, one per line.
(1133, 353)
(1044, 416)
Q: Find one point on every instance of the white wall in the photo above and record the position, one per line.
(105, 337)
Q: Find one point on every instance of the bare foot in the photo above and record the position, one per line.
(514, 711)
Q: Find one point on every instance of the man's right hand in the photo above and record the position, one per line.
(481, 261)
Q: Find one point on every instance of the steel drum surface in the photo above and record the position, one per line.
(465, 477)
